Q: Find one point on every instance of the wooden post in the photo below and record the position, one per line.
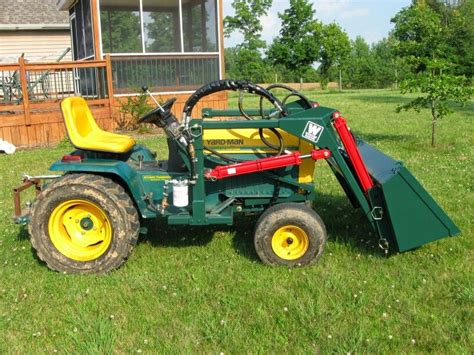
(110, 86)
(221, 36)
(24, 91)
(95, 29)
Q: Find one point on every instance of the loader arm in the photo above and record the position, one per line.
(396, 205)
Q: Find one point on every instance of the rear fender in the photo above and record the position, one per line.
(128, 178)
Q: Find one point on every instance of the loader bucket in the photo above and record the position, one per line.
(410, 217)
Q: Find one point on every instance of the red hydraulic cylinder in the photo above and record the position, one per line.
(351, 148)
(221, 172)
(295, 158)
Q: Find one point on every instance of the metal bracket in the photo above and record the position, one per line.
(21, 216)
(223, 205)
(377, 213)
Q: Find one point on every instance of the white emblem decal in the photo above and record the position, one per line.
(313, 132)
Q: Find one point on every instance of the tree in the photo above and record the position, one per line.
(419, 36)
(335, 50)
(438, 88)
(456, 17)
(386, 68)
(422, 39)
(361, 65)
(298, 45)
(247, 62)
(247, 21)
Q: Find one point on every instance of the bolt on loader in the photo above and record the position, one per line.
(228, 162)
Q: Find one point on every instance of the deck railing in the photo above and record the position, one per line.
(31, 86)
(30, 94)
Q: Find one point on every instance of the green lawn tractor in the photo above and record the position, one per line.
(228, 162)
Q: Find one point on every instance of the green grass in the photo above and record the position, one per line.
(204, 290)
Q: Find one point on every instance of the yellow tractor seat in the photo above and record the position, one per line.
(84, 132)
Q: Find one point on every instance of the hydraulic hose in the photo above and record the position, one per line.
(242, 86)
(230, 85)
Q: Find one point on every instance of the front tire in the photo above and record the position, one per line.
(289, 234)
(84, 223)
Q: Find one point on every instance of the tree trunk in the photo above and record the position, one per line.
(434, 119)
(433, 128)
(340, 79)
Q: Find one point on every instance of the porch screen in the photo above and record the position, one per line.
(159, 26)
(120, 26)
(200, 26)
(81, 30)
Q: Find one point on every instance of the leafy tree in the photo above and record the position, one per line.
(386, 66)
(458, 31)
(361, 66)
(247, 21)
(419, 36)
(461, 37)
(422, 39)
(335, 50)
(249, 65)
(298, 45)
(247, 62)
(230, 56)
(438, 88)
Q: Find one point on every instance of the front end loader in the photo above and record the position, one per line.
(227, 162)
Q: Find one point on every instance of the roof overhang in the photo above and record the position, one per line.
(36, 26)
(64, 4)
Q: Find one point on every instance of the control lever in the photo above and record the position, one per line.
(146, 91)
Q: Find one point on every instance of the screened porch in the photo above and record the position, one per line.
(168, 45)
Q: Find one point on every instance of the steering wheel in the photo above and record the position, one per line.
(159, 114)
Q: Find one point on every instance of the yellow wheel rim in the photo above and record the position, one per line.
(290, 242)
(80, 230)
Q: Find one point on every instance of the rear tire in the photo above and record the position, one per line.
(84, 223)
(289, 234)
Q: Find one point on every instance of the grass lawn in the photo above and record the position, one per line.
(204, 289)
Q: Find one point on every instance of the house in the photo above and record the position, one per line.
(171, 46)
(32, 27)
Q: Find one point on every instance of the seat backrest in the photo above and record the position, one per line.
(78, 118)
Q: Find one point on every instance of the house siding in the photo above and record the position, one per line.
(37, 45)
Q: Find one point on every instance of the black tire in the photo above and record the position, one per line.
(110, 198)
(300, 221)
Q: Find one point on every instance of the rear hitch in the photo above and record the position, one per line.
(22, 216)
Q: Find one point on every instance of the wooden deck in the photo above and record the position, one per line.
(36, 120)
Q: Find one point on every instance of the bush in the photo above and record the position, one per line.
(131, 110)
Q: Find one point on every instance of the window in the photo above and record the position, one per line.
(159, 26)
(120, 25)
